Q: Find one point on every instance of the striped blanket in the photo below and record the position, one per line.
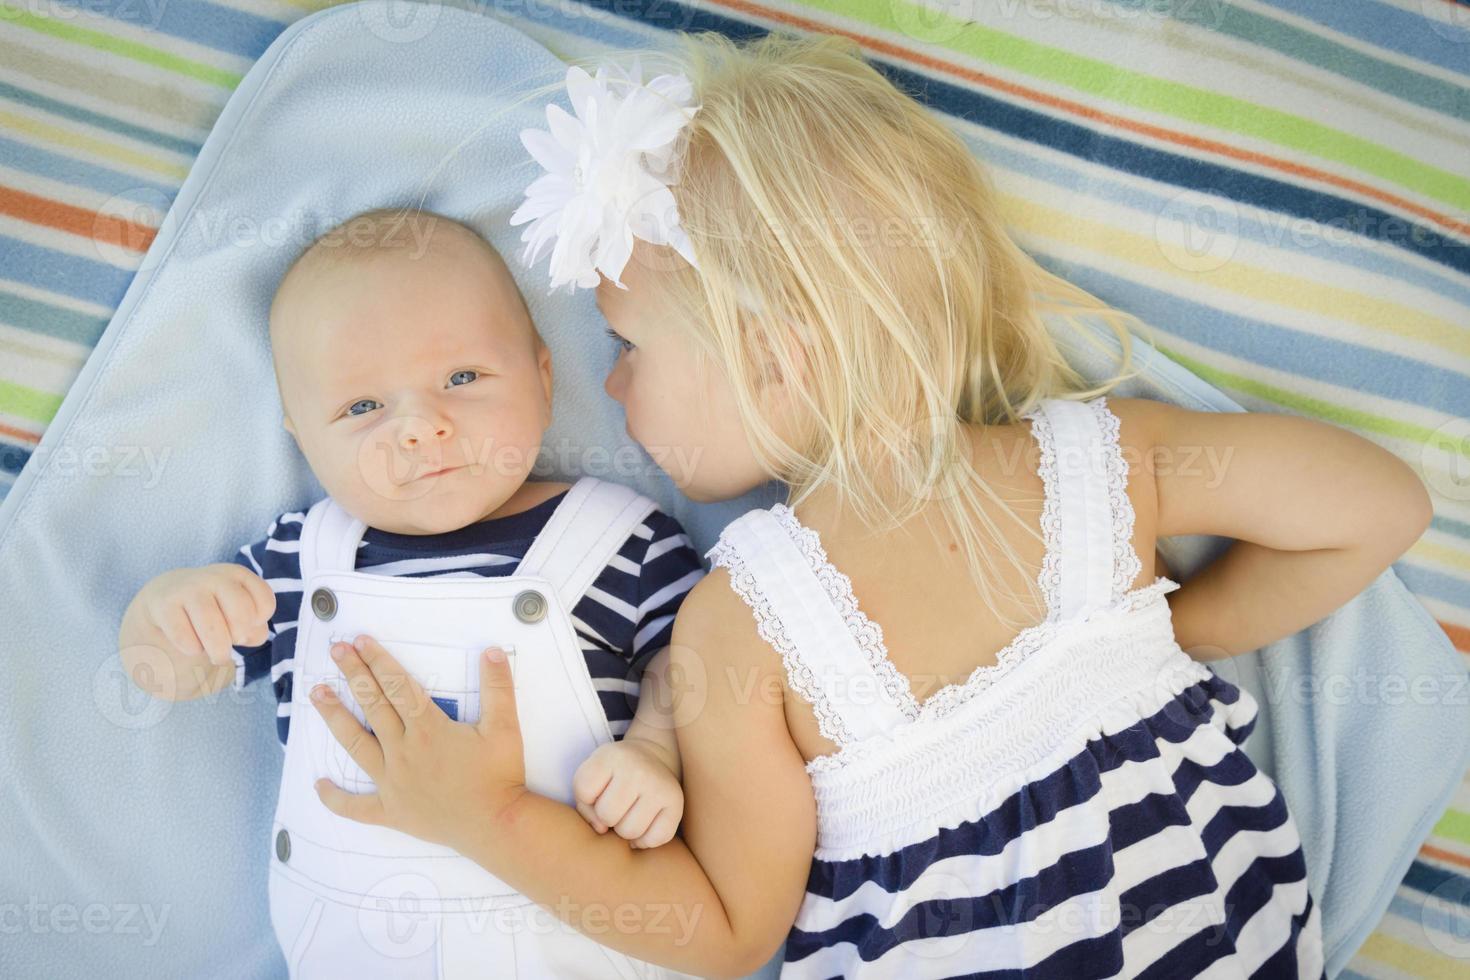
(1280, 189)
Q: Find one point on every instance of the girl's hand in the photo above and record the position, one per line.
(438, 779)
(627, 786)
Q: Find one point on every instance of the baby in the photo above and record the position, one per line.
(418, 390)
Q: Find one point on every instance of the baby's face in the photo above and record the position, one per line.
(413, 381)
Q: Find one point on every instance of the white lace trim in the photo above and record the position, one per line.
(1026, 644)
(1050, 576)
(1126, 563)
(771, 629)
(867, 634)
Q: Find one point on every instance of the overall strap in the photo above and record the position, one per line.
(585, 532)
(776, 570)
(329, 539)
(1089, 546)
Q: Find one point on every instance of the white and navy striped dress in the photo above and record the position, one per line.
(1082, 808)
(622, 620)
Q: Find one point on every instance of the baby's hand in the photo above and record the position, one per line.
(627, 786)
(204, 611)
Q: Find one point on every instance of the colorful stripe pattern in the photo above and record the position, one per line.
(1279, 188)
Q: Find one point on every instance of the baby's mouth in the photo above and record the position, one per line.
(440, 471)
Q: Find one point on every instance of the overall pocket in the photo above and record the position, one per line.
(449, 674)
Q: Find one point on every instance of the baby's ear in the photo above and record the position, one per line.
(543, 364)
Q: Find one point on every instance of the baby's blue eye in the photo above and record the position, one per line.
(619, 339)
(474, 374)
(353, 406)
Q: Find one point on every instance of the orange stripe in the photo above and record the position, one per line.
(100, 228)
(1459, 635)
(1096, 115)
(22, 435)
(1440, 854)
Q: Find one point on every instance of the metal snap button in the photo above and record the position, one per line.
(530, 606)
(324, 603)
(283, 845)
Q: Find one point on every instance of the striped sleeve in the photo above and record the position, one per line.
(669, 569)
(276, 559)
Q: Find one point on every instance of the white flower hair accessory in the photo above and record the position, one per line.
(608, 173)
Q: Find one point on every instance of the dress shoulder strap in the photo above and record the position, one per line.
(1088, 517)
(833, 654)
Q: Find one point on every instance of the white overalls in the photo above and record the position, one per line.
(353, 900)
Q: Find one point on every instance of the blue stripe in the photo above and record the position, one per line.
(1337, 362)
(64, 274)
(1445, 885)
(1431, 583)
(1387, 27)
(41, 317)
(54, 166)
(13, 457)
(69, 111)
(1431, 915)
(221, 28)
(1448, 525)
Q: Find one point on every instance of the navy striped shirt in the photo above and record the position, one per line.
(623, 619)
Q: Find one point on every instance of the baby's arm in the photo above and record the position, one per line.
(177, 635)
(632, 786)
(719, 898)
(1317, 513)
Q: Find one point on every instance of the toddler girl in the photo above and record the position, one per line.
(938, 716)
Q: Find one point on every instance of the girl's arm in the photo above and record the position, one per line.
(719, 901)
(1318, 514)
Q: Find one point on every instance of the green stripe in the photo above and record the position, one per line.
(1186, 102)
(28, 403)
(1316, 408)
(119, 46)
(1455, 824)
(67, 111)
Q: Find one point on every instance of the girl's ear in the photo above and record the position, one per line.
(771, 371)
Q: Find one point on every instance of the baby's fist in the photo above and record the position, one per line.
(628, 787)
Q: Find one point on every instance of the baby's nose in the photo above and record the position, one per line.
(416, 431)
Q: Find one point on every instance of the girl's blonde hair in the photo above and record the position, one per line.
(868, 241)
(848, 238)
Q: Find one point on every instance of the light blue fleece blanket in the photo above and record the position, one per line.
(136, 831)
